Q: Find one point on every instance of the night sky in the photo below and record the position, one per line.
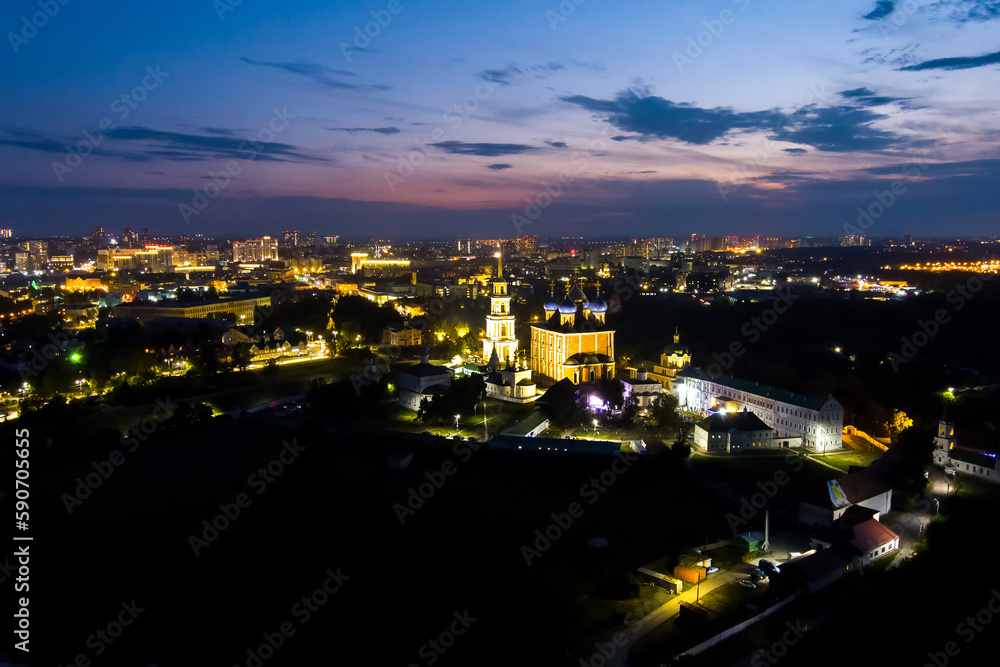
(617, 118)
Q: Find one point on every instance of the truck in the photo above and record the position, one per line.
(692, 575)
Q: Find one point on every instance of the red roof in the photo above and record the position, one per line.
(870, 535)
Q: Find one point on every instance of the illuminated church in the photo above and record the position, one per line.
(507, 374)
(573, 341)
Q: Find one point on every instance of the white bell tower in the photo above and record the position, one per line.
(500, 322)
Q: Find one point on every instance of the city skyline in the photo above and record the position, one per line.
(531, 118)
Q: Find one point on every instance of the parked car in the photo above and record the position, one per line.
(711, 570)
(747, 583)
(768, 567)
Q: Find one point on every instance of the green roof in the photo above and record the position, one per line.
(782, 395)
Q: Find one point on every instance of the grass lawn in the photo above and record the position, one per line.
(852, 457)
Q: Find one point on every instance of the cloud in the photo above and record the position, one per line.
(509, 75)
(499, 166)
(556, 144)
(193, 146)
(504, 76)
(485, 149)
(965, 11)
(352, 130)
(174, 146)
(321, 74)
(955, 63)
(633, 111)
(835, 128)
(867, 97)
(839, 129)
(882, 9)
(796, 151)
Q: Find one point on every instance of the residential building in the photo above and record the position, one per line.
(819, 422)
(242, 309)
(424, 380)
(255, 250)
(866, 488)
(732, 432)
(401, 335)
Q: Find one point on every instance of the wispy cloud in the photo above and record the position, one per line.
(956, 63)
(146, 144)
(499, 166)
(321, 74)
(352, 130)
(485, 149)
(882, 9)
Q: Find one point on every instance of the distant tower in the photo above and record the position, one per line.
(944, 441)
(500, 322)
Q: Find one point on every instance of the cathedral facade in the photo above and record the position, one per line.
(572, 341)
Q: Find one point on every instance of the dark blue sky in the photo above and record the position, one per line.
(495, 118)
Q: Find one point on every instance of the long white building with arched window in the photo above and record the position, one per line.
(818, 422)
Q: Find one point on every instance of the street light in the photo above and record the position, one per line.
(456, 423)
(595, 427)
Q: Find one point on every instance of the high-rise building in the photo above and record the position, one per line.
(466, 246)
(6, 233)
(130, 239)
(255, 250)
(33, 256)
(290, 237)
(99, 237)
(526, 246)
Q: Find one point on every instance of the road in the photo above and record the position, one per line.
(653, 622)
